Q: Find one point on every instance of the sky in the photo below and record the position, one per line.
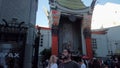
(41, 18)
(105, 16)
(101, 6)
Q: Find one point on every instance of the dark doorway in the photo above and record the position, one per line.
(70, 34)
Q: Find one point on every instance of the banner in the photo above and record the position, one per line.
(55, 17)
(11, 55)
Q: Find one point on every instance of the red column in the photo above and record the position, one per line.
(89, 47)
(54, 45)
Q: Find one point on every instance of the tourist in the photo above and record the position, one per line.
(53, 62)
(67, 62)
(82, 64)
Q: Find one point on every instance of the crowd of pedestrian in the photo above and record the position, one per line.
(65, 61)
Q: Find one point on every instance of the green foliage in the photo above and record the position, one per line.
(46, 53)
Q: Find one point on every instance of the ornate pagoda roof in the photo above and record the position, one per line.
(71, 4)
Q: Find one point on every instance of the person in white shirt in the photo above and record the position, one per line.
(53, 62)
(82, 64)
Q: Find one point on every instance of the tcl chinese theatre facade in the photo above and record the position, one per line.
(71, 23)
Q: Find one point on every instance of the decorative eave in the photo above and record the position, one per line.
(71, 11)
(93, 4)
(71, 4)
(100, 31)
(42, 28)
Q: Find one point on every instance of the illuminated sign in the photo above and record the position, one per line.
(11, 53)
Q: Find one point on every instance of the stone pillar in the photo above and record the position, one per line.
(29, 49)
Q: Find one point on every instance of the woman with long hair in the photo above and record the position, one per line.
(53, 62)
